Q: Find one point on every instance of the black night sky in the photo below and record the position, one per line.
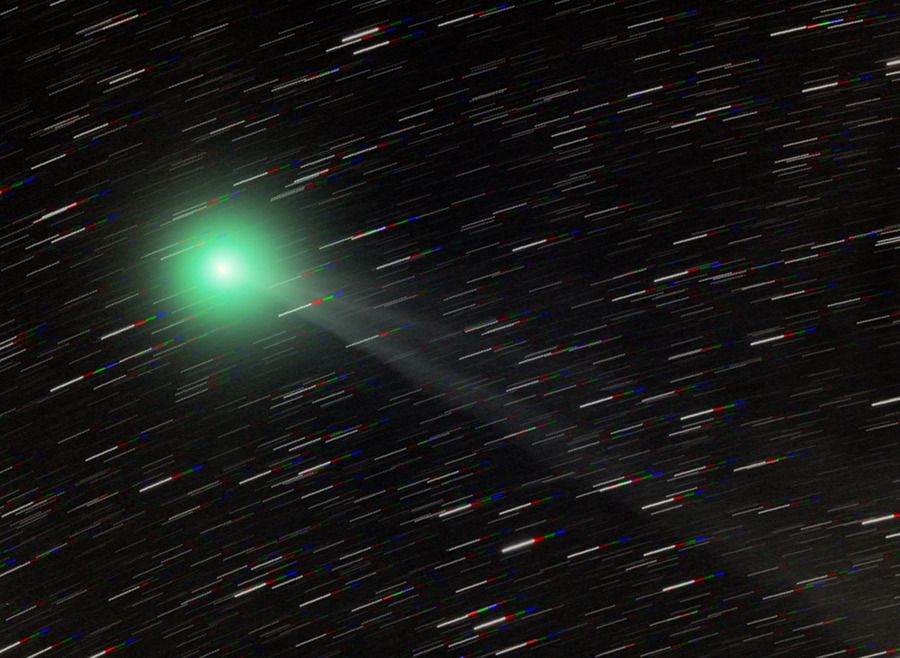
(563, 328)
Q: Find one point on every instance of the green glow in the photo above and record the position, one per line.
(226, 269)
(223, 264)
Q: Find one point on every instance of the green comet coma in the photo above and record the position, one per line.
(226, 269)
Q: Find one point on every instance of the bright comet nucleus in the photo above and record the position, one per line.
(228, 274)
(226, 269)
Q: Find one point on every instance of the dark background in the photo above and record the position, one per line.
(521, 123)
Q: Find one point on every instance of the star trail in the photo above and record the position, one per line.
(559, 328)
